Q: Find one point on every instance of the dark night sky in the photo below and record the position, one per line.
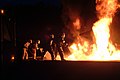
(28, 2)
(33, 17)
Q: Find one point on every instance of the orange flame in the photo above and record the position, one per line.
(102, 48)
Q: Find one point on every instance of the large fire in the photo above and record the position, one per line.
(102, 47)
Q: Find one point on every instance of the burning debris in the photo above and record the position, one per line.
(102, 47)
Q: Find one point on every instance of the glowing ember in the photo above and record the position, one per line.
(102, 47)
(12, 58)
(2, 11)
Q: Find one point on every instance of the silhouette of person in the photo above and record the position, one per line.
(39, 48)
(34, 49)
(53, 45)
(25, 49)
(60, 44)
(48, 47)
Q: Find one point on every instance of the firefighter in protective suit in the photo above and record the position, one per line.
(48, 47)
(25, 50)
(61, 43)
(53, 45)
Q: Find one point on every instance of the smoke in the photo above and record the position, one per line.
(71, 19)
(78, 19)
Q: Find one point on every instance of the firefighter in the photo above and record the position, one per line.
(34, 49)
(25, 49)
(53, 46)
(48, 47)
(61, 43)
(39, 48)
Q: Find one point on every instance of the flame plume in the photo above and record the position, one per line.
(102, 47)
